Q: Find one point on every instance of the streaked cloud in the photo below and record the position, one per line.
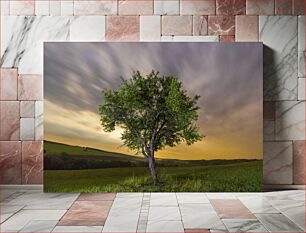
(227, 76)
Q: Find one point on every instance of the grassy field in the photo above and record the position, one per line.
(78, 169)
(219, 178)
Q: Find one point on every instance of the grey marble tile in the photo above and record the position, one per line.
(290, 120)
(74, 229)
(166, 7)
(218, 227)
(165, 226)
(40, 200)
(160, 199)
(5, 7)
(161, 213)
(39, 120)
(127, 202)
(205, 217)
(42, 7)
(294, 195)
(277, 166)
(278, 223)
(27, 129)
(242, 225)
(258, 205)
(15, 194)
(87, 28)
(39, 226)
(22, 40)
(55, 8)
(279, 35)
(189, 198)
(124, 214)
(294, 210)
(6, 193)
(67, 7)
(129, 195)
(301, 46)
(9, 210)
(23, 217)
(301, 89)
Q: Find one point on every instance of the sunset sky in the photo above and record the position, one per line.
(227, 76)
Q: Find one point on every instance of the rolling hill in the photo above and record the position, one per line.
(58, 156)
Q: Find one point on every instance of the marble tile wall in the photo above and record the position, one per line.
(26, 24)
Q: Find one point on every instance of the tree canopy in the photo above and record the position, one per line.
(154, 112)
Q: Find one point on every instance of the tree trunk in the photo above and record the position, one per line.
(152, 169)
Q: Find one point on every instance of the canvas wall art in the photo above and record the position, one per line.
(154, 117)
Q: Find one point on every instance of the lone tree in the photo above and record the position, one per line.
(153, 111)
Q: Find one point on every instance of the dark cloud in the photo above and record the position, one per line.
(225, 75)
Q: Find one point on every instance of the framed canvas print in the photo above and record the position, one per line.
(153, 117)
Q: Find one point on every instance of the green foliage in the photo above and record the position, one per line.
(154, 112)
(242, 177)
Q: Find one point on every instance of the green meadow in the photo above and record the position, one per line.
(76, 169)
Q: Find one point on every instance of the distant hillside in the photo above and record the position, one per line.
(55, 148)
(60, 156)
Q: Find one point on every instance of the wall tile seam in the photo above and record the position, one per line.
(138, 15)
(117, 10)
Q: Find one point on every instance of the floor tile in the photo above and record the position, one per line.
(122, 218)
(13, 196)
(218, 227)
(167, 199)
(297, 195)
(192, 198)
(238, 194)
(199, 208)
(285, 205)
(294, 210)
(165, 226)
(278, 223)
(205, 217)
(171, 212)
(257, 205)
(126, 195)
(40, 200)
(39, 226)
(96, 197)
(221, 196)
(195, 230)
(23, 217)
(8, 210)
(127, 223)
(232, 209)
(6, 193)
(74, 229)
(86, 213)
(162, 213)
(242, 225)
(204, 220)
(127, 201)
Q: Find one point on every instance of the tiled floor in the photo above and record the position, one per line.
(35, 211)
